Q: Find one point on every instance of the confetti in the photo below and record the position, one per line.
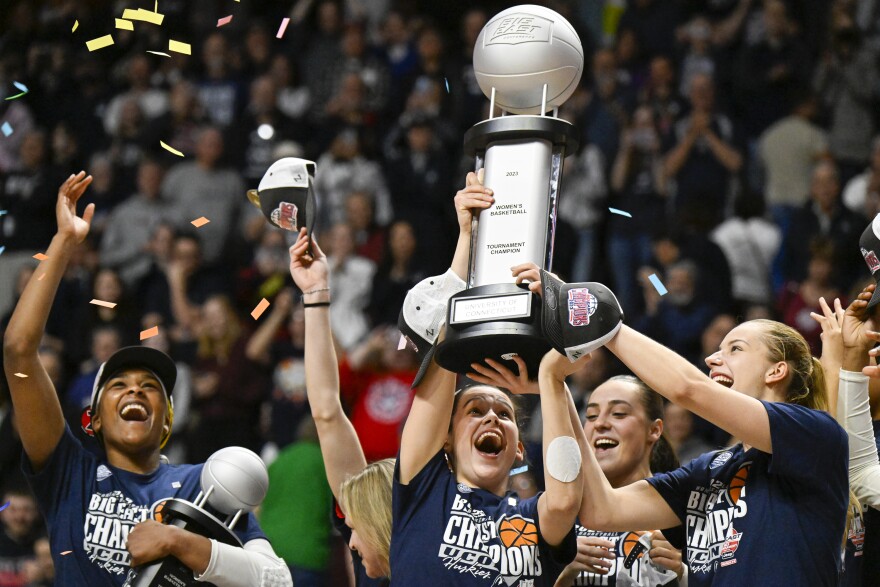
(125, 25)
(21, 87)
(40, 278)
(2, 249)
(75, 26)
(40, 257)
(401, 344)
(620, 212)
(171, 150)
(655, 281)
(100, 42)
(261, 307)
(2, 212)
(143, 15)
(19, 95)
(7, 129)
(149, 333)
(200, 222)
(4, 506)
(224, 21)
(66, 552)
(282, 28)
(447, 84)
(179, 47)
(20, 375)
(159, 53)
(103, 303)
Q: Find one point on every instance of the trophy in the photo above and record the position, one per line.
(285, 195)
(527, 60)
(234, 480)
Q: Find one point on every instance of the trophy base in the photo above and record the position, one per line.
(170, 572)
(494, 321)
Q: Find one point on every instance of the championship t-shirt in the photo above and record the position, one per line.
(91, 506)
(631, 566)
(752, 518)
(446, 533)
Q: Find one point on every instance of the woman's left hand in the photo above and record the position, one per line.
(558, 365)
(857, 322)
(528, 272)
(500, 376)
(664, 554)
(149, 541)
(831, 322)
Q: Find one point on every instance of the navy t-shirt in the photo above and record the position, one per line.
(753, 518)
(871, 558)
(446, 533)
(91, 506)
(361, 579)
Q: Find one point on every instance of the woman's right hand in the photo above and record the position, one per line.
(594, 555)
(308, 272)
(470, 200)
(69, 224)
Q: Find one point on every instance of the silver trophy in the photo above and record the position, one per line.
(528, 60)
(234, 481)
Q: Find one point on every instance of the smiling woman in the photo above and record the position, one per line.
(95, 503)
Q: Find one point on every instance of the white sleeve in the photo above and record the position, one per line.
(854, 412)
(255, 565)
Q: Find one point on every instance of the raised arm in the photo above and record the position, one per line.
(427, 425)
(37, 409)
(682, 383)
(342, 452)
(832, 349)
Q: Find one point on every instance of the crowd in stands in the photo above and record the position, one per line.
(741, 135)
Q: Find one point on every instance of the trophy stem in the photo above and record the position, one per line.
(544, 101)
(205, 497)
(235, 518)
(492, 104)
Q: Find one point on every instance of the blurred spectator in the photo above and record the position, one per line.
(204, 188)
(399, 50)
(612, 85)
(750, 243)
(824, 216)
(179, 127)
(259, 130)
(267, 274)
(637, 184)
(654, 23)
(375, 379)
(228, 385)
(105, 340)
(355, 57)
(846, 79)
(344, 169)
(432, 70)
(468, 98)
(293, 96)
(350, 281)
(19, 528)
(322, 52)
(860, 191)
(28, 197)
(582, 194)
(660, 95)
(678, 428)
(19, 118)
(698, 60)
(152, 102)
(129, 227)
(360, 215)
(128, 145)
(296, 512)
(789, 150)
(107, 287)
(219, 92)
(703, 158)
(798, 299)
(399, 271)
(40, 571)
(65, 148)
(257, 51)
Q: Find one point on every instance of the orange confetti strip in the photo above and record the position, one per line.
(261, 307)
(103, 303)
(40, 278)
(149, 333)
(200, 222)
(66, 552)
(21, 375)
(40, 257)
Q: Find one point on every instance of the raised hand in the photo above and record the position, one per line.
(500, 376)
(470, 200)
(308, 272)
(857, 322)
(69, 224)
(831, 322)
(558, 365)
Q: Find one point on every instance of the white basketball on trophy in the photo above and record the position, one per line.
(523, 48)
(239, 479)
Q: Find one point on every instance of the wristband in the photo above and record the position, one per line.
(316, 305)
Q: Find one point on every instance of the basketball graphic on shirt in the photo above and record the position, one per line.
(631, 548)
(517, 531)
(738, 483)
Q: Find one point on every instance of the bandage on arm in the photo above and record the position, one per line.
(854, 412)
(255, 565)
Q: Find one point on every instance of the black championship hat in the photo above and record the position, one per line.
(870, 245)
(578, 318)
(285, 195)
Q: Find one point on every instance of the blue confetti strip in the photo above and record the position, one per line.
(519, 470)
(4, 506)
(7, 129)
(447, 84)
(620, 212)
(21, 87)
(2, 249)
(655, 281)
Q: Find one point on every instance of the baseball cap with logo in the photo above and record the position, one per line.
(578, 318)
(869, 244)
(424, 313)
(285, 194)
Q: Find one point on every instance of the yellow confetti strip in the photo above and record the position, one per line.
(40, 257)
(143, 15)
(171, 150)
(21, 375)
(200, 222)
(100, 42)
(103, 303)
(123, 24)
(149, 332)
(179, 47)
(261, 307)
(75, 26)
